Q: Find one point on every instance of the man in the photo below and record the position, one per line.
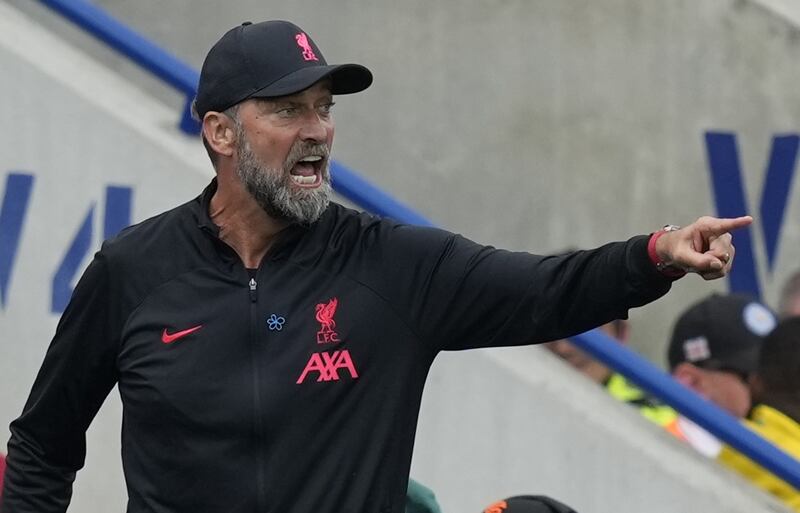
(714, 350)
(715, 346)
(776, 416)
(271, 349)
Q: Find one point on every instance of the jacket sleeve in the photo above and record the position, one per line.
(463, 295)
(48, 441)
(505, 298)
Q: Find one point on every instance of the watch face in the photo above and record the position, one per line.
(671, 228)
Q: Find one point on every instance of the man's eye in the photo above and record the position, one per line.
(326, 108)
(287, 111)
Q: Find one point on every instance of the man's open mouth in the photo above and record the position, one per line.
(307, 172)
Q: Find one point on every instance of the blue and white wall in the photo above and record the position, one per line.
(82, 153)
(530, 125)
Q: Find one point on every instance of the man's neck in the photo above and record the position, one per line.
(243, 224)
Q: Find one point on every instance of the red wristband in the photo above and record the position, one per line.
(663, 268)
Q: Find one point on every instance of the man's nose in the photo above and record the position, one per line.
(314, 129)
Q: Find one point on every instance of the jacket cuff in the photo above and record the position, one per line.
(642, 264)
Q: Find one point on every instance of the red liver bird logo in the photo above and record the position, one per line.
(325, 313)
(302, 42)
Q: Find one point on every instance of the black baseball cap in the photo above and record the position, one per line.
(269, 59)
(721, 332)
(529, 504)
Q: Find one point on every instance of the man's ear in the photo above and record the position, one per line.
(689, 376)
(219, 133)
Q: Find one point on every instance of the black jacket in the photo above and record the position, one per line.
(295, 389)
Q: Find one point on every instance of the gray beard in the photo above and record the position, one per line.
(272, 189)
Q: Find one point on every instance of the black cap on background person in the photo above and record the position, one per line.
(715, 347)
(721, 332)
(529, 504)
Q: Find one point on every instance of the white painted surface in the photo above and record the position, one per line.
(536, 125)
(76, 128)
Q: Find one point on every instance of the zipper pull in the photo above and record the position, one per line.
(253, 286)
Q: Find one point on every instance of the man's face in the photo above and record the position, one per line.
(728, 390)
(283, 152)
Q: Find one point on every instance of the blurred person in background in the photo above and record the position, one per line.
(615, 383)
(420, 499)
(789, 302)
(776, 415)
(529, 504)
(713, 350)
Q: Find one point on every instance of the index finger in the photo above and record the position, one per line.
(724, 225)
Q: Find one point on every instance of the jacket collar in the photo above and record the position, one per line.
(286, 240)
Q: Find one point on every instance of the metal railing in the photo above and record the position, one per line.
(350, 185)
(703, 412)
(137, 48)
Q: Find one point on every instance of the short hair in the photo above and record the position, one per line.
(779, 362)
(789, 293)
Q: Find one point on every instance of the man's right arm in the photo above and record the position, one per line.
(48, 441)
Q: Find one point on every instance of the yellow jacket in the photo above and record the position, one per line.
(784, 433)
(653, 409)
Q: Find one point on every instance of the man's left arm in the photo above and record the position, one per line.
(488, 297)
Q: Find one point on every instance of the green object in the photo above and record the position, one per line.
(421, 499)
(650, 407)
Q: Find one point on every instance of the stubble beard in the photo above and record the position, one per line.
(273, 189)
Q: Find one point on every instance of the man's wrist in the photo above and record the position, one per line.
(664, 267)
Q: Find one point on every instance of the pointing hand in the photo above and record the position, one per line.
(704, 247)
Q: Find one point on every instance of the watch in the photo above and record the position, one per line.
(663, 267)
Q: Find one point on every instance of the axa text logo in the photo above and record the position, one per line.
(730, 197)
(327, 365)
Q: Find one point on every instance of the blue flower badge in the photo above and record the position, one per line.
(275, 322)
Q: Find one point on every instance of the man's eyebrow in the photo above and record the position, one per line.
(280, 101)
(272, 104)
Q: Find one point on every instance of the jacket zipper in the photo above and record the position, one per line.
(253, 285)
(257, 413)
